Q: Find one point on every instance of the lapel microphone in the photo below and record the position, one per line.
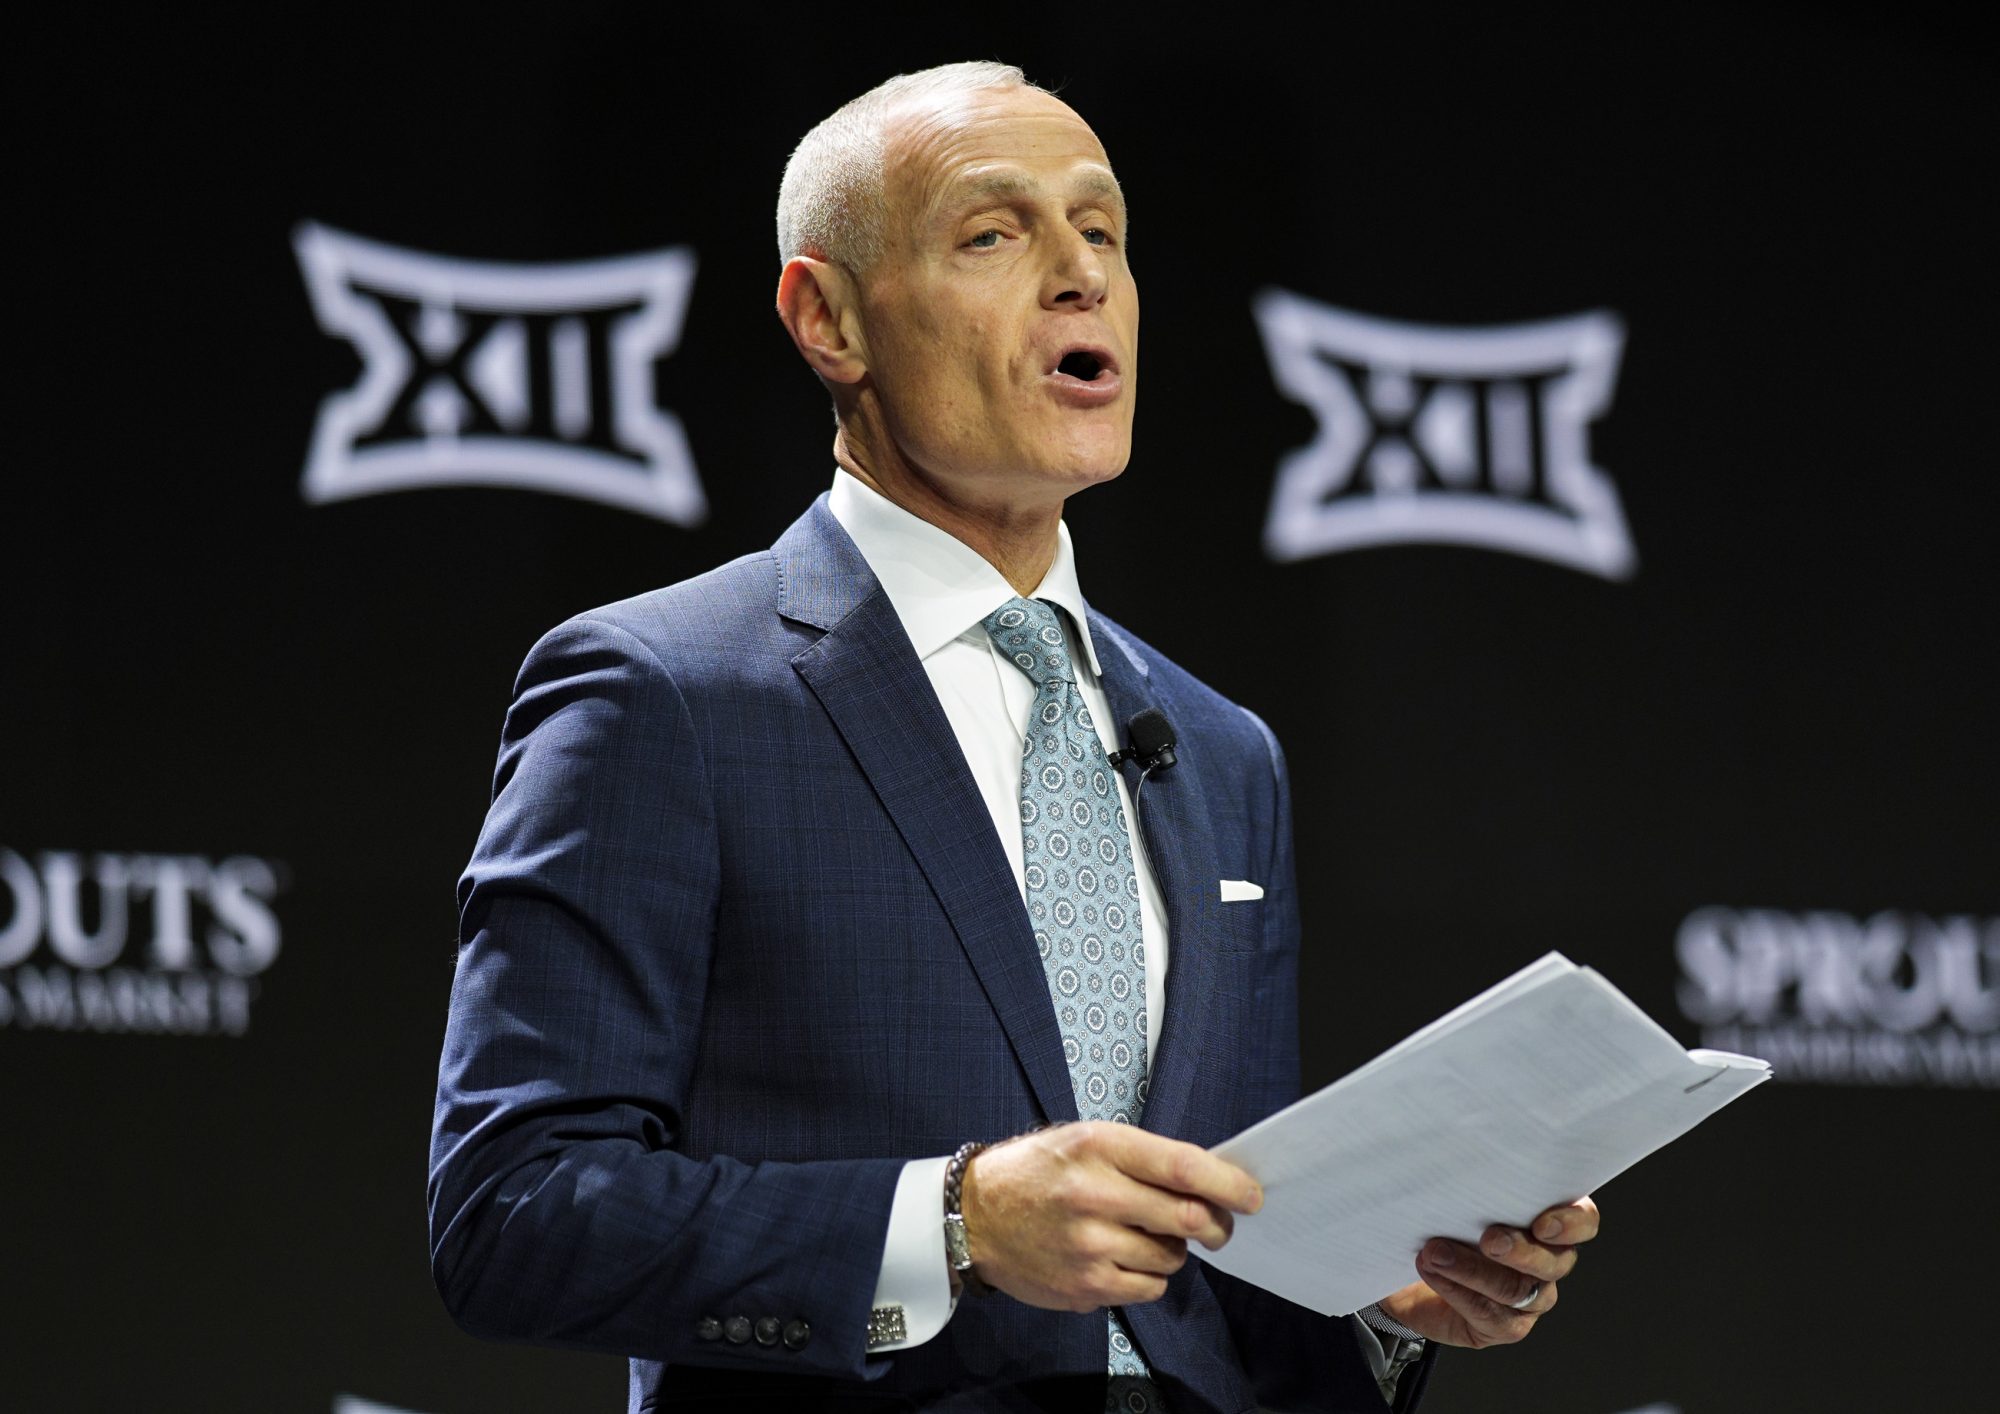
(1152, 738)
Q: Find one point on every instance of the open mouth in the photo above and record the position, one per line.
(1084, 365)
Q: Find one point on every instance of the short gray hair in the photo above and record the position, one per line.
(830, 204)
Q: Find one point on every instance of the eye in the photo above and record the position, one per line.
(985, 240)
(1097, 235)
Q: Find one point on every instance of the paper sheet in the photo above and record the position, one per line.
(1531, 1094)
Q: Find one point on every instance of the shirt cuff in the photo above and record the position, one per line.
(915, 1276)
(1388, 1346)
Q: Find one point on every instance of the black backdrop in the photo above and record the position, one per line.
(1784, 713)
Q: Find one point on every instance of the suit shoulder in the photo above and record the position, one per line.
(726, 614)
(731, 595)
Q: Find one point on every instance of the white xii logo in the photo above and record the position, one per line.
(475, 373)
(1458, 436)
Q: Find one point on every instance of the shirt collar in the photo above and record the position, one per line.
(939, 586)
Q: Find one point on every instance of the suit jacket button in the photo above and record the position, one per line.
(708, 1328)
(797, 1333)
(767, 1330)
(737, 1328)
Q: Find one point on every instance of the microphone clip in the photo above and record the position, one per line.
(1152, 742)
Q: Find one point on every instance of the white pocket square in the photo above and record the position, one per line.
(1240, 890)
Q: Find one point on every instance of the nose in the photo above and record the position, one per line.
(1076, 277)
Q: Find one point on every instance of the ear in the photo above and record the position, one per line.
(817, 305)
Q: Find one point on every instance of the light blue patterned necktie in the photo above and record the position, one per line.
(1083, 899)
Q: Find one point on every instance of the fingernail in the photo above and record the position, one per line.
(1548, 1227)
(1256, 1199)
(1441, 1254)
(1499, 1243)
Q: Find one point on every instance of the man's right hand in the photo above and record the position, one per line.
(1094, 1214)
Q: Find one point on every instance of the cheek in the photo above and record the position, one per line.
(940, 386)
(933, 342)
(965, 364)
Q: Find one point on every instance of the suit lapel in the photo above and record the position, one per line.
(868, 678)
(1174, 829)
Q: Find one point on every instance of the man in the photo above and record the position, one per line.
(806, 876)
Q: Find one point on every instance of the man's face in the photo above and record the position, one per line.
(1002, 322)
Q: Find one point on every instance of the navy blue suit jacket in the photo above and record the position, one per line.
(738, 939)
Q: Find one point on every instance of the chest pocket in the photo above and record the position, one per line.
(1240, 915)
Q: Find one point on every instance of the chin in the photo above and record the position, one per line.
(1103, 468)
(1089, 460)
(1107, 471)
(1074, 475)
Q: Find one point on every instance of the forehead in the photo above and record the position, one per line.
(948, 146)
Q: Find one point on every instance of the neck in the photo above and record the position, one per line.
(1019, 540)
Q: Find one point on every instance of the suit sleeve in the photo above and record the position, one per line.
(1296, 1358)
(561, 1209)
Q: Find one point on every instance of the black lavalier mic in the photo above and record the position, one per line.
(1152, 738)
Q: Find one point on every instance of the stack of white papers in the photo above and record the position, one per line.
(1530, 1095)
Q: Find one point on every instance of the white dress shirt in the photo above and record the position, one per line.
(942, 590)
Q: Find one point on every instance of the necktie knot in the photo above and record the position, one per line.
(1030, 633)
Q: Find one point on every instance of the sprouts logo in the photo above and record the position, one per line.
(479, 374)
(1896, 999)
(162, 943)
(1456, 436)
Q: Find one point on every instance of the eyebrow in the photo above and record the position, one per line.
(1010, 186)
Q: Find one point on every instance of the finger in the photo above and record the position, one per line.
(1465, 1266)
(1143, 1252)
(1512, 1247)
(1115, 1286)
(1181, 1168)
(1177, 1215)
(1490, 1322)
(1570, 1223)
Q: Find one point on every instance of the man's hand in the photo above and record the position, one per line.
(1467, 1294)
(1093, 1214)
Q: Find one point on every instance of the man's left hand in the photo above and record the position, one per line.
(1468, 1294)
